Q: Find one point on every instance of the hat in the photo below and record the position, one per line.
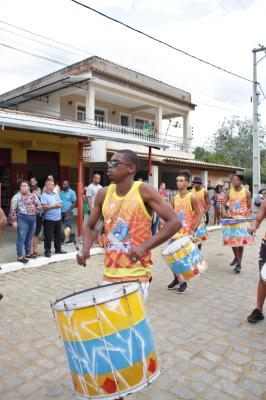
(197, 179)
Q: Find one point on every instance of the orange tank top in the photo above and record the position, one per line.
(127, 223)
(200, 194)
(238, 203)
(187, 216)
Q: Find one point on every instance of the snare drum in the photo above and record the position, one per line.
(235, 232)
(184, 259)
(263, 273)
(108, 341)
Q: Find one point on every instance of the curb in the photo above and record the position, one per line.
(40, 261)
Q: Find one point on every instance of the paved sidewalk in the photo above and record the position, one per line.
(207, 349)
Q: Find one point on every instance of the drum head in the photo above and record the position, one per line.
(263, 273)
(176, 245)
(98, 295)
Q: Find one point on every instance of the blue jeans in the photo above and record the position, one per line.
(25, 232)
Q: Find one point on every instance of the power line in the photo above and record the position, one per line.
(33, 54)
(161, 41)
(45, 37)
(89, 53)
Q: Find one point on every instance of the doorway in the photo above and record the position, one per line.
(41, 164)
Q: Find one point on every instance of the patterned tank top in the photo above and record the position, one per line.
(127, 223)
(200, 194)
(183, 207)
(238, 203)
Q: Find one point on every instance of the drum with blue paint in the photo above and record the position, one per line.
(108, 341)
(235, 232)
(184, 258)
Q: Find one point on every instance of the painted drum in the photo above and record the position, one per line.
(263, 273)
(184, 258)
(108, 341)
(201, 233)
(235, 232)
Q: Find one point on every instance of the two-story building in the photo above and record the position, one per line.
(43, 123)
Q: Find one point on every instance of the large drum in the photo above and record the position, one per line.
(184, 258)
(235, 232)
(108, 341)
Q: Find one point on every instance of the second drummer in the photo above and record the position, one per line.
(239, 207)
(126, 207)
(187, 208)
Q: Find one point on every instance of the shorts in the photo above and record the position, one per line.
(262, 254)
(144, 288)
(39, 222)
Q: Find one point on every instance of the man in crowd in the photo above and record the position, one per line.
(51, 204)
(69, 201)
(126, 206)
(257, 314)
(92, 191)
(239, 207)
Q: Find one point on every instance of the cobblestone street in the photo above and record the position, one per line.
(207, 349)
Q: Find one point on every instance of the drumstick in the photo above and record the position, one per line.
(72, 237)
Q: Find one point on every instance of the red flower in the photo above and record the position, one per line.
(109, 385)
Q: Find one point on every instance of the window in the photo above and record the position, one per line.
(124, 120)
(81, 113)
(99, 115)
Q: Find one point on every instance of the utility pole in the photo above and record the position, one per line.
(256, 139)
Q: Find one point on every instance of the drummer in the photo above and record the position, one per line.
(239, 207)
(257, 314)
(203, 198)
(186, 206)
(126, 207)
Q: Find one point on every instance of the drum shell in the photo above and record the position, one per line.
(235, 232)
(201, 233)
(109, 347)
(186, 262)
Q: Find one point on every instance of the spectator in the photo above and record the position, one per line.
(92, 191)
(56, 186)
(218, 200)
(34, 187)
(156, 221)
(69, 201)
(24, 207)
(52, 204)
(85, 205)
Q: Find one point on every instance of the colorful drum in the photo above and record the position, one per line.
(235, 232)
(201, 233)
(108, 341)
(184, 258)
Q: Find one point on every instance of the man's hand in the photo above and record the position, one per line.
(252, 229)
(58, 205)
(82, 257)
(136, 253)
(193, 233)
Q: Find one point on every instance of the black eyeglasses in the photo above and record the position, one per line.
(115, 163)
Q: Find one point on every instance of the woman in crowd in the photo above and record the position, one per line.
(218, 200)
(24, 208)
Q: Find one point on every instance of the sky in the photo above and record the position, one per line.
(223, 32)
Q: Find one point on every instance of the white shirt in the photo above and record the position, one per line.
(92, 191)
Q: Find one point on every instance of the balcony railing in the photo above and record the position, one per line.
(148, 135)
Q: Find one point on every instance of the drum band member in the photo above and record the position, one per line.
(257, 314)
(239, 207)
(186, 207)
(203, 198)
(126, 206)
